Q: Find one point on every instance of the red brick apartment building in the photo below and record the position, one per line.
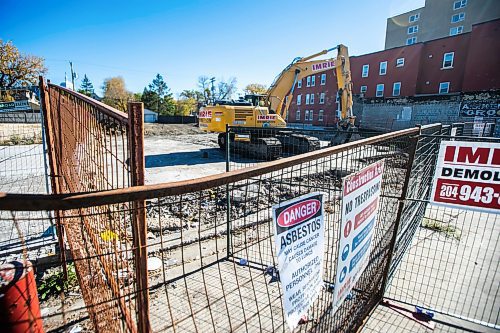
(463, 63)
(314, 100)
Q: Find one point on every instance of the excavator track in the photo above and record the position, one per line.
(295, 143)
(260, 148)
(266, 149)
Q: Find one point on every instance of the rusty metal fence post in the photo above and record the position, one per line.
(54, 167)
(139, 228)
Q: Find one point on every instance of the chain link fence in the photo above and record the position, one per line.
(209, 257)
(199, 256)
(445, 260)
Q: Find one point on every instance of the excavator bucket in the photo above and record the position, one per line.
(344, 136)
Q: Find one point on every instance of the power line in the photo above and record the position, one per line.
(107, 66)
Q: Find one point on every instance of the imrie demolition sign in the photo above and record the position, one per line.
(360, 202)
(299, 231)
(468, 176)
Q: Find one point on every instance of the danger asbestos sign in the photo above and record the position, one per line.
(299, 240)
(468, 176)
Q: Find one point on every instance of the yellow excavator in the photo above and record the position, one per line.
(249, 116)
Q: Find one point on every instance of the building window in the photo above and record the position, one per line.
(363, 89)
(459, 4)
(457, 17)
(320, 115)
(299, 99)
(297, 115)
(323, 79)
(413, 29)
(322, 98)
(299, 83)
(414, 18)
(313, 80)
(307, 99)
(308, 81)
(380, 90)
(311, 99)
(456, 30)
(444, 87)
(383, 68)
(400, 62)
(411, 41)
(311, 115)
(448, 60)
(366, 69)
(396, 89)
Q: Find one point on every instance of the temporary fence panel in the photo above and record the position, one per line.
(210, 247)
(93, 147)
(23, 169)
(445, 259)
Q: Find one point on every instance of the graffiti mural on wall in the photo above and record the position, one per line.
(481, 105)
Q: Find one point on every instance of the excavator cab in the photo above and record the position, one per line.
(255, 99)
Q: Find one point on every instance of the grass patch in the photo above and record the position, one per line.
(441, 227)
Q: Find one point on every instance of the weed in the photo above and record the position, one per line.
(441, 227)
(54, 283)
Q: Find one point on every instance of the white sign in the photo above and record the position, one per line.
(323, 66)
(361, 196)
(468, 176)
(14, 106)
(299, 239)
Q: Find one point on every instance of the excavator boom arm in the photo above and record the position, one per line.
(280, 94)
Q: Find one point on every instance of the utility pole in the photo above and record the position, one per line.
(72, 75)
(212, 80)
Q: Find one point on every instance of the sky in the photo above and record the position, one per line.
(182, 39)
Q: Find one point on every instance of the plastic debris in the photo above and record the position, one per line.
(154, 263)
(75, 329)
(49, 232)
(108, 236)
(274, 273)
(171, 262)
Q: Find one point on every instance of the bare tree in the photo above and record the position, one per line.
(226, 89)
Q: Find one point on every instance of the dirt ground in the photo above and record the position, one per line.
(153, 129)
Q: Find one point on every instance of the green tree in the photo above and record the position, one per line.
(115, 93)
(192, 94)
(157, 97)
(193, 98)
(185, 107)
(17, 69)
(137, 97)
(255, 88)
(86, 88)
